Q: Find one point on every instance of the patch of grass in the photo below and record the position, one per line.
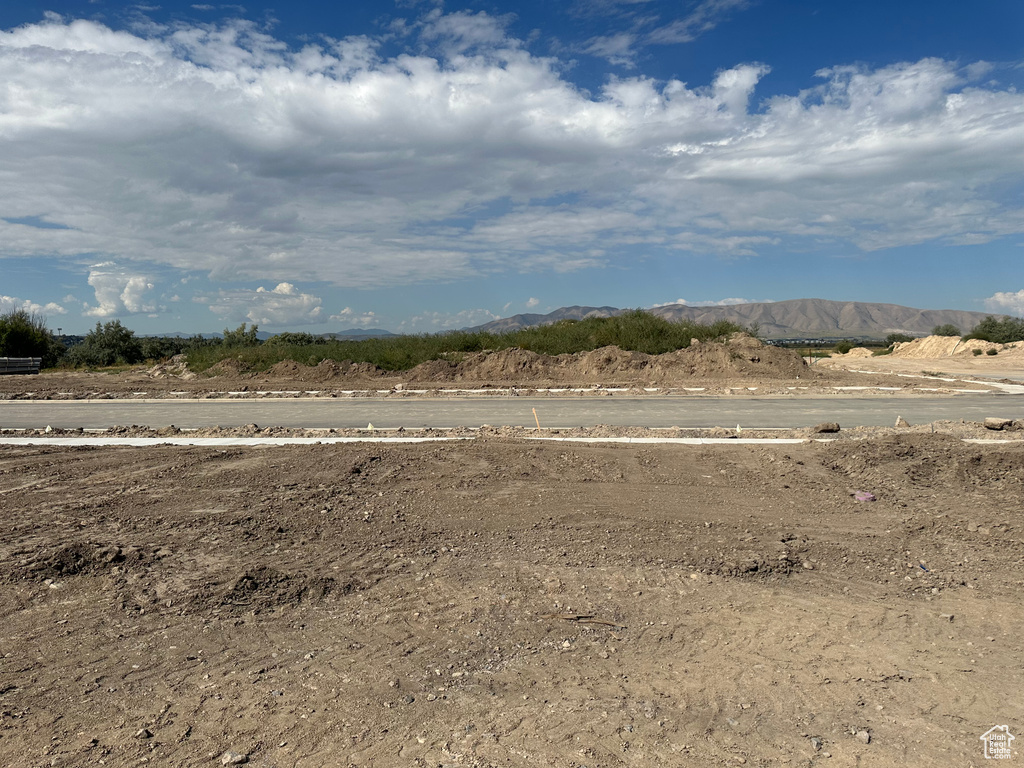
(637, 331)
(881, 352)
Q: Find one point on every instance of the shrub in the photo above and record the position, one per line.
(897, 338)
(843, 347)
(107, 344)
(992, 351)
(976, 352)
(1002, 331)
(945, 330)
(241, 337)
(635, 331)
(296, 339)
(24, 334)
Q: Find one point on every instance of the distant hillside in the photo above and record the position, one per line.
(529, 320)
(798, 318)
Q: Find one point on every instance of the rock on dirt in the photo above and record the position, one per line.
(997, 423)
(826, 427)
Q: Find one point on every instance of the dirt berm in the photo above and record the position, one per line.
(740, 356)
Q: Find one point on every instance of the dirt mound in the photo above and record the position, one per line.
(176, 367)
(229, 366)
(739, 355)
(856, 352)
(929, 462)
(942, 346)
(263, 588)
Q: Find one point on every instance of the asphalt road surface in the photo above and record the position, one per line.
(687, 412)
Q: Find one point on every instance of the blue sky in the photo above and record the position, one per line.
(419, 166)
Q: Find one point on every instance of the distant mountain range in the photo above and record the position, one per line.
(797, 318)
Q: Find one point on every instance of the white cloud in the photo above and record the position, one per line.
(9, 303)
(712, 303)
(531, 303)
(705, 17)
(118, 291)
(336, 163)
(282, 305)
(443, 321)
(355, 319)
(1010, 303)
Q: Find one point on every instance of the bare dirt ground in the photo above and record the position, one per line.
(939, 354)
(504, 603)
(741, 366)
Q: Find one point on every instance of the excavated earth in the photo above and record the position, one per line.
(738, 366)
(506, 602)
(500, 602)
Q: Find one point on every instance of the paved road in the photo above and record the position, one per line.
(472, 412)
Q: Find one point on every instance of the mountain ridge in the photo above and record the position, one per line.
(793, 318)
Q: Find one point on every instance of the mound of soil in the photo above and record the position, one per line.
(740, 355)
(229, 366)
(943, 346)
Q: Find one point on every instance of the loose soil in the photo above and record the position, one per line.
(739, 366)
(505, 603)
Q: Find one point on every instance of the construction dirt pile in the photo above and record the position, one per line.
(944, 346)
(505, 603)
(740, 356)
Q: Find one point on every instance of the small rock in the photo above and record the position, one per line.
(972, 527)
(901, 422)
(863, 736)
(816, 743)
(808, 566)
(825, 427)
(996, 423)
(143, 733)
(233, 758)
(863, 496)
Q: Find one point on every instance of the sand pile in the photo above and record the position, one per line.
(176, 367)
(942, 346)
(856, 352)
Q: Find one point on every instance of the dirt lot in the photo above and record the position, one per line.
(361, 605)
(737, 367)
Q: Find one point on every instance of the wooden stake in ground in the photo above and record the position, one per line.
(535, 418)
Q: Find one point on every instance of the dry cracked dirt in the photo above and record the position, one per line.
(505, 603)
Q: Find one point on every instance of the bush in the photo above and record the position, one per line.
(897, 338)
(843, 347)
(976, 352)
(301, 339)
(24, 334)
(635, 331)
(945, 330)
(1003, 331)
(107, 344)
(991, 351)
(241, 337)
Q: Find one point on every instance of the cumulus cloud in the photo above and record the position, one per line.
(1006, 302)
(283, 305)
(443, 321)
(355, 319)
(118, 291)
(712, 303)
(531, 303)
(335, 162)
(13, 303)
